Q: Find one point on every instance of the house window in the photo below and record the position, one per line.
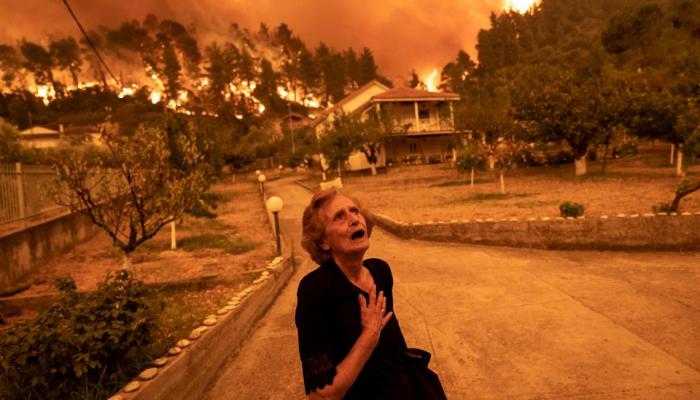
(423, 113)
(412, 148)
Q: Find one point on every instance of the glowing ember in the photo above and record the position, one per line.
(432, 81)
(520, 6)
(127, 91)
(155, 97)
(282, 92)
(46, 93)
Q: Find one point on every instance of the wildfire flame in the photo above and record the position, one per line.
(432, 81)
(521, 6)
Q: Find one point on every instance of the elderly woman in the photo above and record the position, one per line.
(350, 342)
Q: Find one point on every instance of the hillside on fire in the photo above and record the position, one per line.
(626, 67)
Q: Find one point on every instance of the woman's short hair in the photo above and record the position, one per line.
(314, 227)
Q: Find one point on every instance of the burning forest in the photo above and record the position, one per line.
(249, 73)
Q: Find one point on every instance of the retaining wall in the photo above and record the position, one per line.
(190, 367)
(23, 251)
(675, 232)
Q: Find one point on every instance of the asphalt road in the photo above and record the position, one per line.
(506, 323)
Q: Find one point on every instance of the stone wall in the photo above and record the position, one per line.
(23, 251)
(674, 232)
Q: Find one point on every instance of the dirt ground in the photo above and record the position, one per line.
(438, 192)
(240, 216)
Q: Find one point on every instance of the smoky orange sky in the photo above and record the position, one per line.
(403, 34)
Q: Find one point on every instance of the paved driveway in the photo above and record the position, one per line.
(507, 323)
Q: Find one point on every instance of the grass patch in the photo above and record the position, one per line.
(461, 182)
(237, 245)
(180, 312)
(205, 224)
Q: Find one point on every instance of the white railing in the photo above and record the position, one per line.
(22, 193)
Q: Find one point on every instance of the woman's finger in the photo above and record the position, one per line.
(363, 303)
(372, 296)
(386, 318)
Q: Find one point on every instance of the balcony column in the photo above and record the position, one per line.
(452, 115)
(415, 111)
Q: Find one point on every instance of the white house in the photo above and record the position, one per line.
(426, 118)
(41, 137)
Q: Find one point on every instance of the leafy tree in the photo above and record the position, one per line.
(10, 66)
(246, 66)
(415, 82)
(66, 52)
(89, 55)
(507, 151)
(171, 71)
(340, 140)
(352, 71)
(366, 67)
(559, 106)
(471, 158)
(498, 46)
(129, 196)
(457, 74)
(372, 133)
(40, 63)
(631, 28)
(220, 70)
(9, 142)
(333, 73)
(309, 73)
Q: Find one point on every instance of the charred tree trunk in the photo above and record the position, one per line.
(682, 192)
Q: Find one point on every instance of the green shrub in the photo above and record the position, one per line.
(83, 343)
(571, 209)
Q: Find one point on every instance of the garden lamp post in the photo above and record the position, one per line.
(261, 181)
(274, 205)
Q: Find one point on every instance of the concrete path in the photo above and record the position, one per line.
(507, 323)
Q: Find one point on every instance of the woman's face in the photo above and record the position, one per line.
(346, 229)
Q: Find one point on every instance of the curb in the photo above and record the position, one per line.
(647, 232)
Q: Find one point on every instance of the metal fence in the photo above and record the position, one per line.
(22, 193)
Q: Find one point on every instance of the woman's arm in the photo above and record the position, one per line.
(373, 321)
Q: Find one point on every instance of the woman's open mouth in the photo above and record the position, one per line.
(359, 234)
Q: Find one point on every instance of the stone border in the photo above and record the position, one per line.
(188, 369)
(649, 231)
(654, 232)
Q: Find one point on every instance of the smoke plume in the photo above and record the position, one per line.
(403, 34)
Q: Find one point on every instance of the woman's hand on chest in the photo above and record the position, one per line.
(373, 316)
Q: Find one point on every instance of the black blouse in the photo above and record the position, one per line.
(328, 324)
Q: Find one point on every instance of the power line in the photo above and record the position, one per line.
(90, 43)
